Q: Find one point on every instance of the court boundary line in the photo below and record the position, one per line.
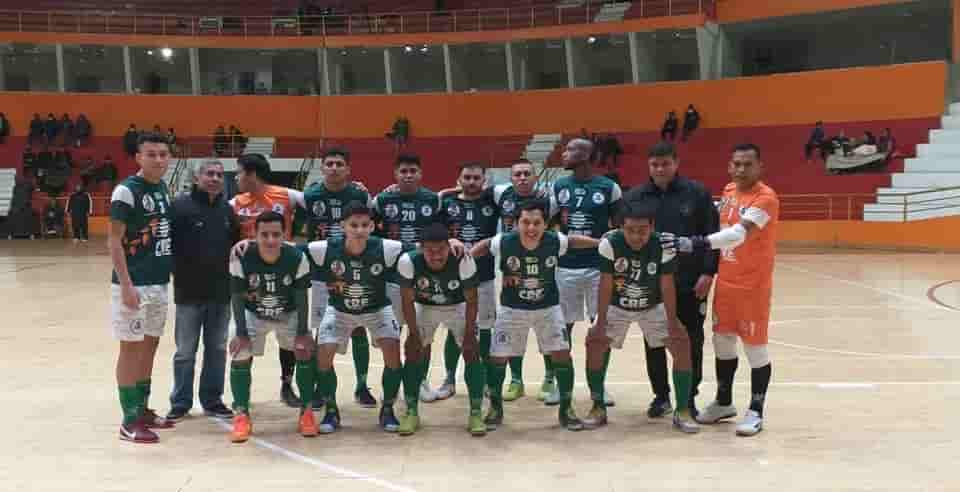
(932, 294)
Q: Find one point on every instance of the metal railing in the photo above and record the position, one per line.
(929, 201)
(823, 206)
(468, 20)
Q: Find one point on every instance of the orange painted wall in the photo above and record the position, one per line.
(933, 234)
(743, 10)
(860, 94)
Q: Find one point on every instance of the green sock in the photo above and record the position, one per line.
(130, 403)
(564, 372)
(391, 384)
(595, 379)
(682, 380)
(485, 336)
(606, 361)
(516, 369)
(451, 358)
(306, 381)
(361, 357)
(476, 377)
(144, 386)
(327, 384)
(412, 377)
(548, 372)
(240, 380)
(496, 373)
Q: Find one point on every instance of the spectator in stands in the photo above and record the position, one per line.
(238, 142)
(107, 172)
(44, 164)
(130, 140)
(62, 158)
(52, 129)
(691, 121)
(67, 129)
(80, 207)
(82, 130)
(4, 128)
(815, 142)
(842, 142)
(669, 131)
(29, 161)
(53, 219)
(869, 138)
(886, 143)
(220, 141)
(611, 149)
(171, 138)
(88, 172)
(37, 129)
(400, 132)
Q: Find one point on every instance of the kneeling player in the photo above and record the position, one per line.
(637, 286)
(529, 299)
(437, 287)
(270, 281)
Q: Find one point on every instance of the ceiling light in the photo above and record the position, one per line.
(591, 39)
(166, 52)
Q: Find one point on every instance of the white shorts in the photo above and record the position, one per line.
(487, 305)
(319, 297)
(257, 330)
(131, 325)
(431, 317)
(396, 301)
(578, 289)
(337, 327)
(653, 323)
(512, 327)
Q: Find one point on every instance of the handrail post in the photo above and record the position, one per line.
(50, 21)
(904, 207)
(508, 17)
(670, 8)
(106, 23)
(244, 27)
(428, 21)
(454, 21)
(559, 15)
(20, 21)
(533, 14)
(163, 24)
(479, 20)
(849, 207)
(588, 20)
(643, 3)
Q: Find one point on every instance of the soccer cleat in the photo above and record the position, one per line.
(494, 418)
(409, 425)
(476, 427)
(596, 418)
(446, 390)
(177, 414)
(388, 421)
(659, 407)
(427, 395)
(715, 413)
(553, 398)
(218, 410)
(684, 423)
(307, 425)
(514, 391)
(608, 398)
(751, 424)
(242, 428)
(547, 387)
(153, 421)
(569, 419)
(364, 398)
(330, 423)
(289, 396)
(137, 432)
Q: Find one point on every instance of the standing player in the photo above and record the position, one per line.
(472, 216)
(401, 215)
(269, 282)
(437, 287)
(141, 253)
(637, 286)
(587, 205)
(529, 299)
(255, 198)
(325, 204)
(749, 214)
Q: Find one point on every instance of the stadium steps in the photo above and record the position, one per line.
(8, 180)
(612, 12)
(260, 145)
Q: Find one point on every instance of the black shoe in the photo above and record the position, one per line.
(364, 398)
(659, 407)
(692, 407)
(319, 403)
(388, 421)
(177, 414)
(218, 410)
(289, 397)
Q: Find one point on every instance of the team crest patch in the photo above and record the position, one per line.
(453, 210)
(513, 263)
(651, 268)
(338, 268)
(287, 279)
(621, 265)
(278, 208)
(426, 210)
(319, 208)
(742, 211)
(598, 198)
(254, 280)
(563, 196)
(148, 204)
(376, 269)
(487, 211)
(423, 283)
(551, 261)
(391, 210)
(508, 206)
(453, 285)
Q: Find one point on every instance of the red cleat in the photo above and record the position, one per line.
(242, 428)
(137, 432)
(151, 420)
(308, 425)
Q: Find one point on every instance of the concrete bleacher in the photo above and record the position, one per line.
(8, 180)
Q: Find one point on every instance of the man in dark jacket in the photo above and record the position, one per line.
(4, 128)
(686, 207)
(37, 129)
(80, 207)
(130, 140)
(204, 228)
(52, 129)
(82, 130)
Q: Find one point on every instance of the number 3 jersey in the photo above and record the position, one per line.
(529, 276)
(144, 208)
(636, 272)
(269, 287)
(357, 284)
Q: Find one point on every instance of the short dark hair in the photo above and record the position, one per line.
(663, 149)
(151, 137)
(531, 205)
(435, 231)
(356, 208)
(639, 209)
(408, 159)
(472, 165)
(337, 152)
(268, 217)
(255, 163)
(747, 147)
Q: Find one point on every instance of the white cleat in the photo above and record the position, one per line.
(427, 395)
(716, 412)
(685, 424)
(751, 424)
(553, 397)
(445, 391)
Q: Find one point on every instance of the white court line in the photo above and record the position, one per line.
(336, 470)
(843, 306)
(849, 352)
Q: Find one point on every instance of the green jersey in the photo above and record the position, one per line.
(529, 276)
(402, 217)
(147, 244)
(586, 208)
(636, 273)
(270, 287)
(472, 221)
(508, 203)
(325, 209)
(357, 284)
(433, 288)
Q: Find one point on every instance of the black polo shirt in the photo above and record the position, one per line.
(686, 209)
(203, 233)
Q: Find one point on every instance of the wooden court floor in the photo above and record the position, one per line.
(866, 374)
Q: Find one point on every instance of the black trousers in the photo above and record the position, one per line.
(689, 310)
(80, 226)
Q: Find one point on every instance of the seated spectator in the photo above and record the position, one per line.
(238, 142)
(43, 164)
(53, 219)
(171, 137)
(611, 149)
(4, 128)
(886, 143)
(815, 142)
(157, 130)
(37, 130)
(842, 144)
(52, 129)
(58, 175)
(88, 171)
(691, 121)
(29, 161)
(220, 141)
(62, 158)
(669, 130)
(67, 129)
(108, 171)
(82, 130)
(869, 138)
(130, 140)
